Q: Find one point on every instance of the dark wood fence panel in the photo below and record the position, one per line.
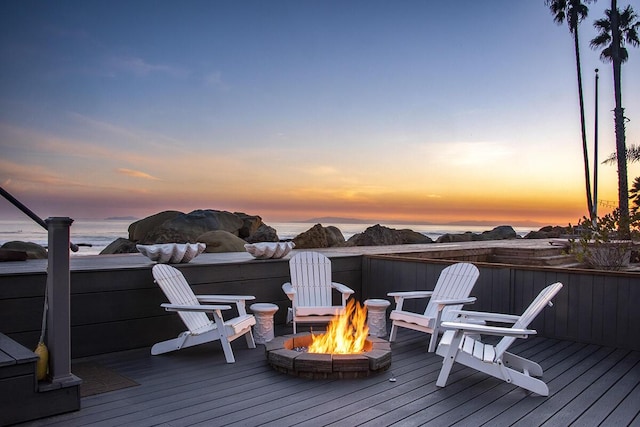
(593, 307)
(115, 309)
(119, 308)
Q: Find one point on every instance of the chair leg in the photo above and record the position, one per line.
(394, 331)
(449, 359)
(224, 339)
(433, 341)
(249, 337)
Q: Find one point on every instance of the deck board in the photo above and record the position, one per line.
(589, 385)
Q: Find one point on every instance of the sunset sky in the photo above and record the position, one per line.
(396, 110)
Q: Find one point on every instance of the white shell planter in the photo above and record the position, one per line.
(172, 253)
(266, 250)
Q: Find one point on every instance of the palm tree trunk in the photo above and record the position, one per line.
(618, 112)
(587, 175)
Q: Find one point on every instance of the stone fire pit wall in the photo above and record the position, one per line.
(282, 357)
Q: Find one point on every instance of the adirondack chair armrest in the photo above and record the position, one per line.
(410, 294)
(488, 330)
(481, 315)
(289, 290)
(399, 297)
(442, 303)
(238, 300)
(224, 298)
(195, 308)
(343, 289)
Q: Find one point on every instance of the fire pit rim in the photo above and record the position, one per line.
(282, 357)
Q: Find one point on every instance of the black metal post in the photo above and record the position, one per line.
(595, 154)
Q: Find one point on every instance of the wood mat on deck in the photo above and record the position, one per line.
(98, 379)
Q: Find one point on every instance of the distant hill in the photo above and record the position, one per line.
(488, 223)
(340, 220)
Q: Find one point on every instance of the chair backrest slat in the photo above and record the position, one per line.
(311, 279)
(538, 304)
(455, 281)
(177, 290)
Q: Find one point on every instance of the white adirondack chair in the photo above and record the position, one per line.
(457, 345)
(192, 310)
(450, 293)
(310, 289)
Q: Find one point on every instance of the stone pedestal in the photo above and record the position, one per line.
(263, 329)
(377, 316)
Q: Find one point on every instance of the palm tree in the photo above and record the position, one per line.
(634, 194)
(575, 11)
(633, 155)
(617, 29)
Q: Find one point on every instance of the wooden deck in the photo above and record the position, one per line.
(589, 385)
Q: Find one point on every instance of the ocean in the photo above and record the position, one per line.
(94, 235)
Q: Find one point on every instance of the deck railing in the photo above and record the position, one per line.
(118, 308)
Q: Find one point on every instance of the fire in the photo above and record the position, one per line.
(346, 333)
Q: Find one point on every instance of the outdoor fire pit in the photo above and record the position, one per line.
(287, 354)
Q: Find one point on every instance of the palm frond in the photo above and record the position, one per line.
(633, 155)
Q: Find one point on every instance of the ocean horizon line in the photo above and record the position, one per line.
(96, 234)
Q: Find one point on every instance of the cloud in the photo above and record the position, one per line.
(137, 174)
(140, 67)
(214, 81)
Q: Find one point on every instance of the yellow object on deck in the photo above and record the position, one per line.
(42, 366)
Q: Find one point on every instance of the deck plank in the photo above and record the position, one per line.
(588, 384)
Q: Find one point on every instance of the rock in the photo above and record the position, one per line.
(548, 232)
(33, 250)
(410, 237)
(315, 237)
(12, 255)
(378, 235)
(334, 236)
(120, 246)
(250, 224)
(264, 233)
(221, 241)
(139, 229)
(502, 232)
(185, 228)
(453, 238)
(319, 237)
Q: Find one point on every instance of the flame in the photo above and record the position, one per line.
(346, 333)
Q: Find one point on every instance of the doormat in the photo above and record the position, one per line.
(98, 379)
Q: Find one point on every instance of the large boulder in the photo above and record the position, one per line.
(378, 235)
(33, 250)
(502, 232)
(185, 228)
(139, 230)
(455, 238)
(120, 246)
(250, 224)
(548, 232)
(179, 227)
(221, 241)
(319, 237)
(264, 233)
(334, 236)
